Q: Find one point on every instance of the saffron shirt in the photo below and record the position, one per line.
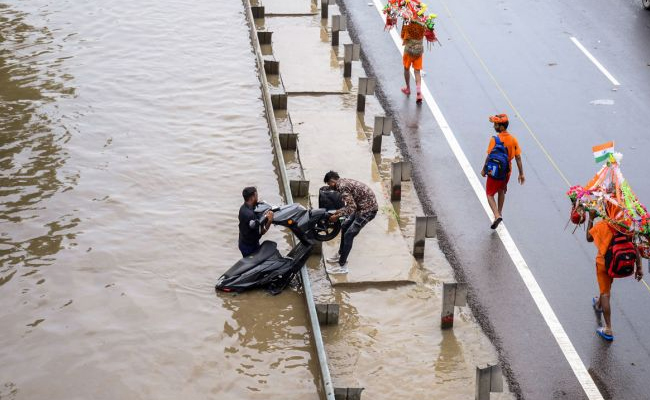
(510, 142)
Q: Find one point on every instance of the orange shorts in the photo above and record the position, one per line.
(604, 280)
(408, 60)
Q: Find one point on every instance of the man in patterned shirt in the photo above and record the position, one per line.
(360, 208)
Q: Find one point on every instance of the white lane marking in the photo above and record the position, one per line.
(596, 62)
(557, 330)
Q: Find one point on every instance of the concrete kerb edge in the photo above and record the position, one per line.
(446, 245)
(326, 378)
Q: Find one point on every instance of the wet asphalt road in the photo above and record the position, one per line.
(497, 55)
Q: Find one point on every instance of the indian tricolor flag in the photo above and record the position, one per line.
(602, 151)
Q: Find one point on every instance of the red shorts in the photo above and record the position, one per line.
(493, 186)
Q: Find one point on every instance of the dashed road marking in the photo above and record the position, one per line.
(595, 61)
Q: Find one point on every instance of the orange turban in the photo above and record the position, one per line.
(499, 118)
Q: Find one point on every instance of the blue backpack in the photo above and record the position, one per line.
(498, 163)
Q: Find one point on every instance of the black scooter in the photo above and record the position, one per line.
(267, 268)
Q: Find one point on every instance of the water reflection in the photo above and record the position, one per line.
(265, 335)
(450, 361)
(145, 152)
(32, 80)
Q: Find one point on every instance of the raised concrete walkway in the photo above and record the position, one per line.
(388, 339)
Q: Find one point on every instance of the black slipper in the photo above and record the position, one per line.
(496, 223)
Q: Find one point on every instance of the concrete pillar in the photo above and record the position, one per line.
(299, 188)
(271, 67)
(425, 227)
(338, 24)
(352, 53)
(264, 37)
(324, 8)
(288, 141)
(488, 380)
(453, 294)
(366, 87)
(361, 102)
(279, 101)
(400, 171)
(347, 393)
(383, 126)
(258, 11)
(328, 314)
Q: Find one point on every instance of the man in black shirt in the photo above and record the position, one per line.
(250, 233)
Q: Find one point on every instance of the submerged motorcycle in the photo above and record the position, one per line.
(267, 268)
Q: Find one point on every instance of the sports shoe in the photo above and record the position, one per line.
(334, 259)
(341, 269)
(603, 334)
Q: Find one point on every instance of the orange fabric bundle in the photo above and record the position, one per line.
(412, 31)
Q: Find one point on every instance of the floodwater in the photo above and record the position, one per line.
(127, 130)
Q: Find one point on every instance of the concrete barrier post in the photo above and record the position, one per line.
(279, 101)
(324, 8)
(400, 171)
(383, 126)
(425, 227)
(336, 27)
(347, 393)
(366, 87)
(258, 11)
(396, 181)
(338, 24)
(288, 141)
(488, 380)
(453, 294)
(352, 53)
(328, 313)
(299, 188)
(448, 297)
(272, 67)
(264, 37)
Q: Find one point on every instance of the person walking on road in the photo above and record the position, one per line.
(412, 39)
(502, 149)
(602, 235)
(360, 208)
(250, 233)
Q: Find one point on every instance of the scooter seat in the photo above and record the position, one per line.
(267, 250)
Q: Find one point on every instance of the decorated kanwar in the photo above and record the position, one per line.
(618, 225)
(417, 25)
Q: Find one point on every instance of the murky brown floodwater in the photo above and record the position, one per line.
(127, 130)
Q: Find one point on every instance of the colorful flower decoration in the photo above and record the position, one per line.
(609, 193)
